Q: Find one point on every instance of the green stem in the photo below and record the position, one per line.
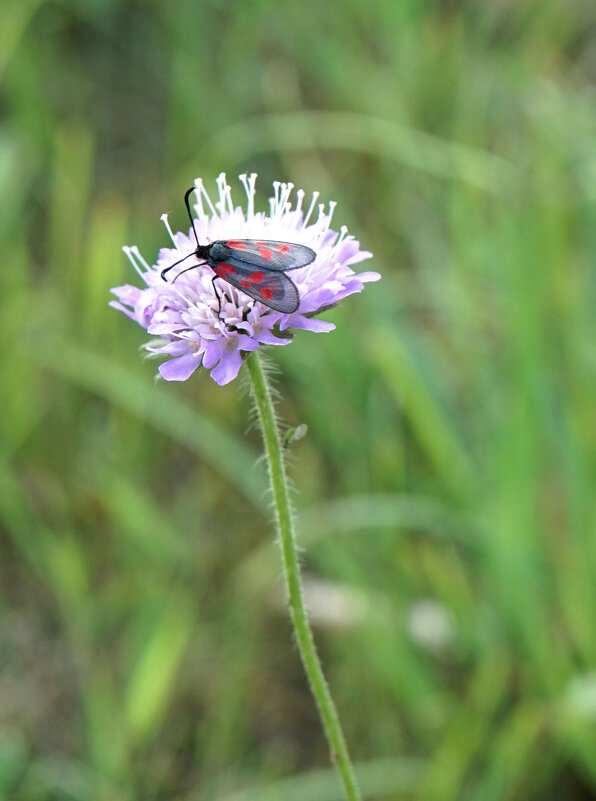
(304, 637)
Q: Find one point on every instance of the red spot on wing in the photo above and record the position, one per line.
(265, 253)
(283, 248)
(256, 277)
(223, 268)
(245, 284)
(267, 293)
(236, 244)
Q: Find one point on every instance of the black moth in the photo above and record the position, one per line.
(256, 267)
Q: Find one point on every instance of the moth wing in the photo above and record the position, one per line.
(277, 256)
(274, 289)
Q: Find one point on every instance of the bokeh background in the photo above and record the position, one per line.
(446, 489)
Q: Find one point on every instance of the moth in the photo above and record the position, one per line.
(256, 267)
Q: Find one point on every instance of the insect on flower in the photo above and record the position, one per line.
(256, 267)
(200, 322)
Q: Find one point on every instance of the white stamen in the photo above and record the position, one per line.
(280, 200)
(299, 199)
(315, 197)
(201, 191)
(129, 255)
(229, 199)
(164, 219)
(134, 249)
(286, 191)
(225, 197)
(325, 219)
(249, 187)
(342, 233)
(332, 207)
(275, 209)
(179, 290)
(198, 207)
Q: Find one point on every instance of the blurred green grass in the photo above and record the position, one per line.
(446, 497)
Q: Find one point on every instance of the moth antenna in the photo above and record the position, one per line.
(190, 217)
(192, 267)
(176, 263)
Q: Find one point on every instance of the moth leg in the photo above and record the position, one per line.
(217, 295)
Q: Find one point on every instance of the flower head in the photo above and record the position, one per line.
(185, 315)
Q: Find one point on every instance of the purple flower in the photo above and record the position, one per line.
(183, 314)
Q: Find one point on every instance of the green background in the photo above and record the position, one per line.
(446, 499)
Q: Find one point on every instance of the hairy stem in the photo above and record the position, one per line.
(304, 638)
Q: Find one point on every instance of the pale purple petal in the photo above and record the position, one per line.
(228, 368)
(115, 305)
(246, 343)
(127, 294)
(213, 353)
(162, 329)
(310, 324)
(371, 275)
(360, 256)
(177, 347)
(167, 316)
(181, 368)
(268, 338)
(347, 251)
(247, 328)
(146, 306)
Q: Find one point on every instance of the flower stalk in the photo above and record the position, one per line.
(291, 568)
